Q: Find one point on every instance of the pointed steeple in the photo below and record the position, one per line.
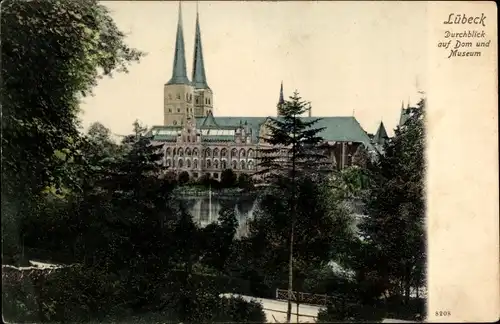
(179, 74)
(199, 78)
(282, 99)
(381, 135)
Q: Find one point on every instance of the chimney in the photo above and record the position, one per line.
(310, 109)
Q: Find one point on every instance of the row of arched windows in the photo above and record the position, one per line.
(223, 153)
(210, 164)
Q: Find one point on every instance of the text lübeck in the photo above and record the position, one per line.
(469, 33)
(463, 19)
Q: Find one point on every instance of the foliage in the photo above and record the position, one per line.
(76, 43)
(218, 238)
(53, 52)
(183, 177)
(395, 228)
(350, 311)
(321, 228)
(245, 181)
(228, 178)
(292, 144)
(237, 309)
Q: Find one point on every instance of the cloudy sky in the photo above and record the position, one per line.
(344, 57)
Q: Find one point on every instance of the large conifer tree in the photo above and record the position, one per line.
(291, 151)
(395, 228)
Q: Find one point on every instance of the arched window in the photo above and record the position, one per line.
(216, 164)
(168, 151)
(195, 152)
(223, 153)
(178, 96)
(181, 152)
(181, 163)
(234, 165)
(168, 163)
(188, 152)
(174, 152)
(234, 152)
(250, 165)
(188, 162)
(250, 154)
(208, 164)
(223, 164)
(195, 164)
(216, 152)
(242, 165)
(208, 152)
(242, 153)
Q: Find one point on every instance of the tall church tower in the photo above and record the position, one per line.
(203, 95)
(178, 92)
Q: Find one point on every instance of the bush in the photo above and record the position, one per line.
(244, 181)
(228, 178)
(237, 309)
(64, 295)
(183, 177)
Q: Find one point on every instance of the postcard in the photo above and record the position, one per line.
(258, 161)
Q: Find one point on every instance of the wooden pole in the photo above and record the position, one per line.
(298, 296)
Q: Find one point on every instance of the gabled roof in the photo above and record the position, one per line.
(381, 135)
(208, 121)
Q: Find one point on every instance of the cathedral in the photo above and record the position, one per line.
(195, 141)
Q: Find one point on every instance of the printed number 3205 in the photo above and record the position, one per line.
(443, 313)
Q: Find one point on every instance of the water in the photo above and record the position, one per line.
(205, 209)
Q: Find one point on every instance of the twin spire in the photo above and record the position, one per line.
(179, 74)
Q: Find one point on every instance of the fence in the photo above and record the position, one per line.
(303, 298)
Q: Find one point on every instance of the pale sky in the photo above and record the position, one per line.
(343, 56)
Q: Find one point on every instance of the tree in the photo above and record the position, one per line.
(228, 178)
(53, 52)
(395, 227)
(219, 238)
(244, 181)
(205, 179)
(183, 177)
(291, 151)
